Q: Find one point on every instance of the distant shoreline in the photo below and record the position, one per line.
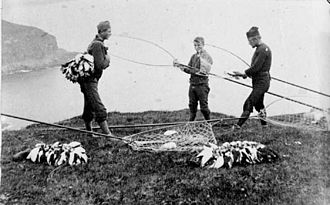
(18, 71)
(26, 70)
(37, 64)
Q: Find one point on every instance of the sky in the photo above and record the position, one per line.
(297, 32)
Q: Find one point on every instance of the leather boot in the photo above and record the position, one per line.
(206, 114)
(88, 126)
(105, 128)
(262, 116)
(192, 116)
(245, 115)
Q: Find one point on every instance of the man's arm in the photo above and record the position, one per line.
(100, 60)
(189, 70)
(258, 62)
(184, 68)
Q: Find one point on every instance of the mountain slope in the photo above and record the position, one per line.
(29, 48)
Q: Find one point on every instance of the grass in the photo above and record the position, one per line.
(118, 175)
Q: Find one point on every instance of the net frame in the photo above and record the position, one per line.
(190, 136)
(312, 119)
(303, 120)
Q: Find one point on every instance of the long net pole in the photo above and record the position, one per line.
(80, 129)
(61, 126)
(271, 93)
(274, 78)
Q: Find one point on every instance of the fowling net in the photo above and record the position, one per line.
(192, 136)
(188, 136)
(314, 120)
(297, 116)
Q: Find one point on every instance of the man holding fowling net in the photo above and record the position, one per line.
(259, 72)
(198, 67)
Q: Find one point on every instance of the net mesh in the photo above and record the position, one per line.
(299, 109)
(314, 120)
(192, 136)
(182, 137)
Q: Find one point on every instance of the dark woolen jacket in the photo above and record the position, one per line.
(97, 49)
(195, 62)
(261, 62)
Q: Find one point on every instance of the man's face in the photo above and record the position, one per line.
(106, 34)
(198, 46)
(253, 41)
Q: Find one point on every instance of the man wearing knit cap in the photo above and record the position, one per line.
(89, 86)
(259, 72)
(198, 67)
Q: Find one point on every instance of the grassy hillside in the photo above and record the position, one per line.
(118, 175)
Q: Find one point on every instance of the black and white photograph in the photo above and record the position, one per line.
(165, 102)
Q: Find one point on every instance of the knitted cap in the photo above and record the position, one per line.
(199, 40)
(253, 32)
(103, 25)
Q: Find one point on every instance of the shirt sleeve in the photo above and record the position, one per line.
(205, 63)
(209, 59)
(259, 60)
(190, 64)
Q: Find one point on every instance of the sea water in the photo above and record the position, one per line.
(294, 30)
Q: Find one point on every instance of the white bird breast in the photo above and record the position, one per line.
(170, 132)
(169, 145)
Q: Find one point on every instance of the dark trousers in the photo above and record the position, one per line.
(92, 102)
(199, 93)
(255, 99)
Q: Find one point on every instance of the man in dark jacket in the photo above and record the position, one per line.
(198, 67)
(259, 72)
(89, 86)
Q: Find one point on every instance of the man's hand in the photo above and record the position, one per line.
(232, 75)
(176, 63)
(239, 74)
(107, 57)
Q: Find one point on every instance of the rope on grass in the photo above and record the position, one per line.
(80, 129)
(180, 137)
(61, 126)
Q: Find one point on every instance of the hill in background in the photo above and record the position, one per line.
(29, 48)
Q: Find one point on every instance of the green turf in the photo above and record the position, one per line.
(118, 175)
